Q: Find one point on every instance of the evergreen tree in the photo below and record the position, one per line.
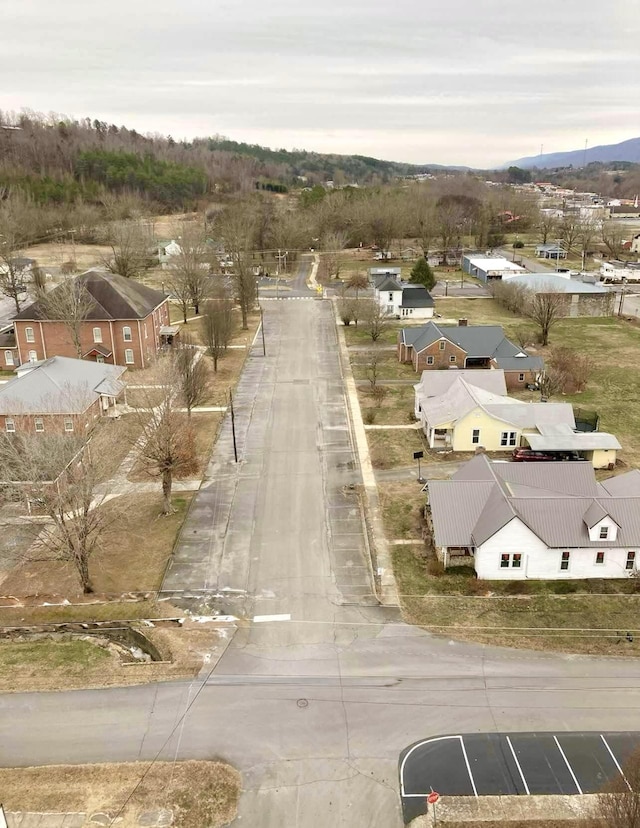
(422, 274)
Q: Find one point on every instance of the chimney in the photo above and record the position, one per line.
(462, 323)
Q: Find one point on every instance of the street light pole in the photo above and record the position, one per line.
(264, 347)
(233, 426)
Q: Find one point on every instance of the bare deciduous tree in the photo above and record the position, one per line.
(73, 504)
(192, 373)
(547, 226)
(375, 317)
(236, 229)
(167, 442)
(333, 245)
(16, 225)
(619, 804)
(189, 279)
(129, 244)
(217, 326)
(545, 310)
(71, 304)
(612, 237)
(357, 282)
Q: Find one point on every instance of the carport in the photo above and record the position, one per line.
(597, 446)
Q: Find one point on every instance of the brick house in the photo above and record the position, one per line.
(437, 347)
(9, 356)
(60, 395)
(127, 324)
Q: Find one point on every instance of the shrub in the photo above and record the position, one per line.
(369, 416)
(435, 567)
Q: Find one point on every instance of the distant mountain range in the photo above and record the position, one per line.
(625, 151)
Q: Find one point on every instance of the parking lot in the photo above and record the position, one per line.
(495, 764)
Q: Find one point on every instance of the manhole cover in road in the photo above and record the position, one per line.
(303, 703)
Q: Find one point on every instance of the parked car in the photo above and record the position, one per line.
(523, 455)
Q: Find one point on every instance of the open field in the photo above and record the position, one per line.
(579, 623)
(387, 366)
(200, 793)
(401, 504)
(396, 408)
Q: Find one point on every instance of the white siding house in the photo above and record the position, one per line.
(550, 521)
(404, 301)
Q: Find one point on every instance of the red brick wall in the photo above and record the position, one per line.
(441, 358)
(58, 342)
(513, 381)
(53, 423)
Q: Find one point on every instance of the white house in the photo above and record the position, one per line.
(402, 300)
(167, 250)
(518, 521)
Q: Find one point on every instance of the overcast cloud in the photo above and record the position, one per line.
(455, 81)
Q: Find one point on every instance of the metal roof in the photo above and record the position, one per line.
(60, 385)
(623, 485)
(566, 439)
(434, 383)
(557, 502)
(552, 283)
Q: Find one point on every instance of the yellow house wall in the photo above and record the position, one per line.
(602, 458)
(490, 431)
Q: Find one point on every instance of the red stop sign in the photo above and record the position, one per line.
(433, 798)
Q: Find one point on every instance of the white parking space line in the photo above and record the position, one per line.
(515, 759)
(611, 753)
(566, 761)
(261, 619)
(466, 761)
(408, 754)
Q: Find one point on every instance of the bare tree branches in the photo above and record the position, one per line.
(129, 245)
(77, 525)
(192, 373)
(189, 280)
(71, 303)
(217, 326)
(545, 309)
(236, 229)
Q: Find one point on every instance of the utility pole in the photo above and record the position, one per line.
(233, 426)
(264, 347)
(622, 295)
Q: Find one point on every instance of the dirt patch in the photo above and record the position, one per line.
(394, 447)
(200, 793)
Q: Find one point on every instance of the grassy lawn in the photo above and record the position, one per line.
(200, 793)
(401, 504)
(389, 448)
(613, 345)
(361, 336)
(133, 557)
(388, 366)
(395, 409)
(543, 620)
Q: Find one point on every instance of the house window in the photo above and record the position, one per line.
(68, 425)
(97, 334)
(39, 424)
(514, 561)
(390, 296)
(8, 357)
(442, 344)
(126, 333)
(508, 438)
(9, 425)
(564, 561)
(29, 335)
(599, 557)
(504, 561)
(631, 557)
(520, 377)
(128, 356)
(33, 356)
(604, 532)
(452, 358)
(429, 360)
(475, 437)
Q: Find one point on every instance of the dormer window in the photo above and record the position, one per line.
(604, 533)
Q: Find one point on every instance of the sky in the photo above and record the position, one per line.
(474, 82)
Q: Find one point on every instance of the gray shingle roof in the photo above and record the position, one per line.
(388, 283)
(416, 297)
(477, 341)
(114, 297)
(60, 385)
(434, 383)
(557, 501)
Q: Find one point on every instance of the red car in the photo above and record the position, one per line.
(523, 455)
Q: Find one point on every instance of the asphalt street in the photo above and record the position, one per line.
(319, 689)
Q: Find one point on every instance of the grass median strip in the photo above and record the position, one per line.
(199, 793)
